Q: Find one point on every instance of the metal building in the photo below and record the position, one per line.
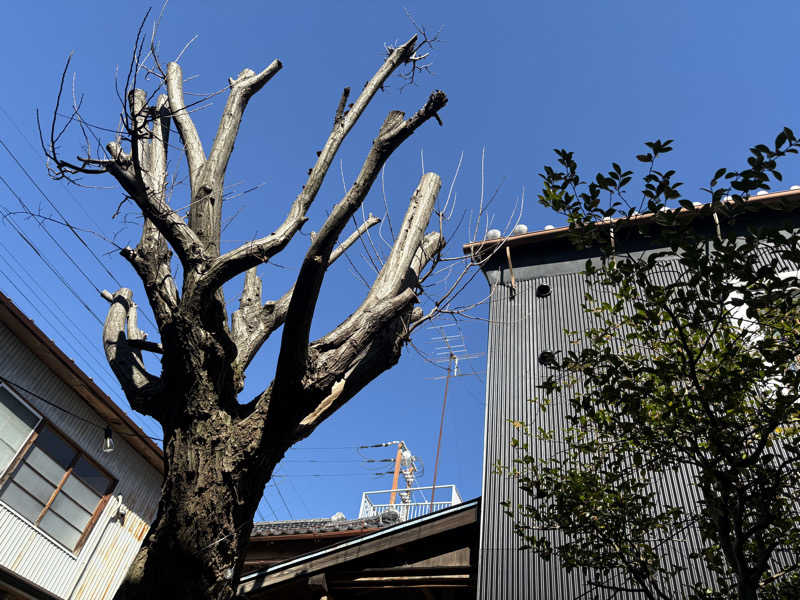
(72, 516)
(536, 293)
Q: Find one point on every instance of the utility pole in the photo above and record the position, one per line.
(441, 427)
(397, 460)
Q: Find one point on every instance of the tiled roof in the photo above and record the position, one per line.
(269, 528)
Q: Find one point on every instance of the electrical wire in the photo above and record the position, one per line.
(362, 474)
(265, 499)
(55, 207)
(58, 212)
(288, 510)
(47, 231)
(87, 349)
(302, 500)
(55, 271)
(18, 386)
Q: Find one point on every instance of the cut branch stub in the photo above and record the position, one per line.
(126, 362)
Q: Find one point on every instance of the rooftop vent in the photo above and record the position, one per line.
(549, 227)
(762, 193)
(795, 187)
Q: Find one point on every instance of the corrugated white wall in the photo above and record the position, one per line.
(97, 570)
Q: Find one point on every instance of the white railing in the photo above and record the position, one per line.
(409, 503)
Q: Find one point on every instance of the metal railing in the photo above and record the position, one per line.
(409, 503)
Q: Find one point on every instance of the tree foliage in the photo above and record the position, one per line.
(688, 366)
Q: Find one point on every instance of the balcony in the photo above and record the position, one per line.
(409, 503)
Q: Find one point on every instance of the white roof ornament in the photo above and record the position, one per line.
(493, 234)
(519, 229)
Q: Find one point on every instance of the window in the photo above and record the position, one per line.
(46, 478)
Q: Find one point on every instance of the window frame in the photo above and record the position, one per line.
(8, 472)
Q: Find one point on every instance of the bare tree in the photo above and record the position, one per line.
(219, 454)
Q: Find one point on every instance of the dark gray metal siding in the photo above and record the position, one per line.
(522, 326)
(519, 329)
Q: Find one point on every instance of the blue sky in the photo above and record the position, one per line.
(598, 78)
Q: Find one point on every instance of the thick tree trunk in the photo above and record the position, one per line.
(195, 547)
(212, 484)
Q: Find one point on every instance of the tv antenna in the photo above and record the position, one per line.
(452, 350)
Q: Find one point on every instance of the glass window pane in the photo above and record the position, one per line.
(58, 528)
(44, 465)
(7, 453)
(33, 483)
(91, 475)
(55, 447)
(16, 424)
(70, 511)
(80, 493)
(15, 497)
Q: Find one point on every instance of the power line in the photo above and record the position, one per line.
(41, 398)
(50, 235)
(274, 514)
(361, 474)
(36, 308)
(46, 262)
(343, 460)
(275, 484)
(302, 500)
(60, 214)
(88, 348)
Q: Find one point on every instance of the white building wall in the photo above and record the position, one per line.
(98, 568)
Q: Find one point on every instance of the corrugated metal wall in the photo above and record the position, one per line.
(97, 570)
(521, 327)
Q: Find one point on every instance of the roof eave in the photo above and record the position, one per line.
(55, 359)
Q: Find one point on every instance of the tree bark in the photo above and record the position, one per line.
(213, 479)
(219, 454)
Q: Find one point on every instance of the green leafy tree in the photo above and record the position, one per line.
(688, 364)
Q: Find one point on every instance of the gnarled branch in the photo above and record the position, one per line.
(140, 387)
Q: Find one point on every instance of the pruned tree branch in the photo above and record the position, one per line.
(334, 368)
(141, 176)
(253, 323)
(205, 212)
(259, 251)
(395, 129)
(139, 386)
(193, 147)
(243, 88)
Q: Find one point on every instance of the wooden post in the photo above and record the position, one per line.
(397, 460)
